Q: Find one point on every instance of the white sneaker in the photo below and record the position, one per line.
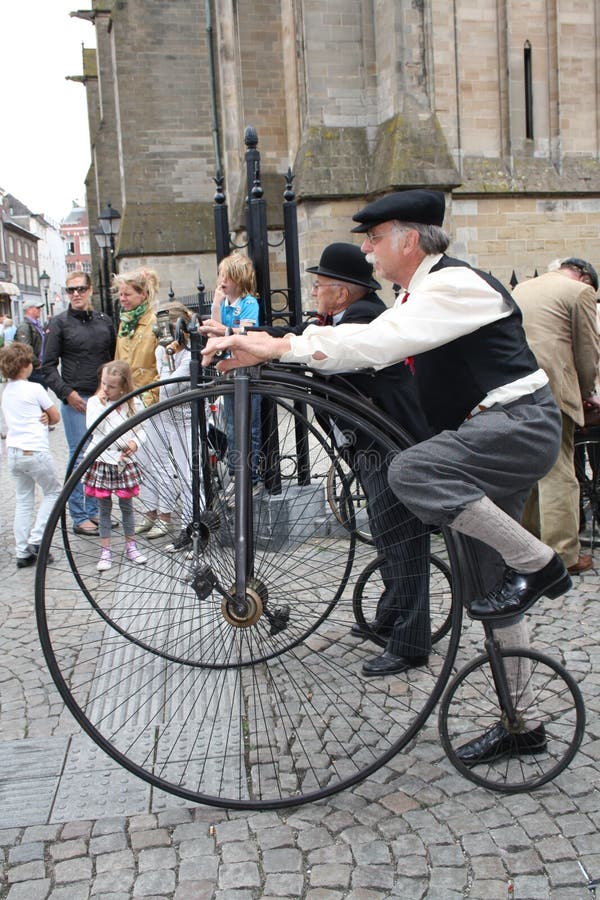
(105, 561)
(145, 525)
(134, 555)
(159, 529)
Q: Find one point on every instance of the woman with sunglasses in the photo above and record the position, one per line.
(80, 340)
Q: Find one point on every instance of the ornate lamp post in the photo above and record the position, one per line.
(44, 281)
(103, 241)
(109, 222)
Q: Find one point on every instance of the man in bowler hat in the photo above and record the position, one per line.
(344, 291)
(497, 426)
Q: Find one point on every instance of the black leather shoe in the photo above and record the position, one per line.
(34, 550)
(89, 532)
(498, 742)
(519, 591)
(389, 664)
(24, 561)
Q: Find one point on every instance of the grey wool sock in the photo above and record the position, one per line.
(488, 523)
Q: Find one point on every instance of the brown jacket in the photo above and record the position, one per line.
(139, 351)
(559, 316)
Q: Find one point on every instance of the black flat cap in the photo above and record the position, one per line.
(346, 262)
(420, 205)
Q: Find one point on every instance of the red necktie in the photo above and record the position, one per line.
(409, 361)
(324, 320)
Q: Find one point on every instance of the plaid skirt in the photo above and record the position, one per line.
(103, 479)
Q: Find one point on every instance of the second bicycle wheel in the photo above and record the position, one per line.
(369, 589)
(548, 702)
(263, 709)
(342, 484)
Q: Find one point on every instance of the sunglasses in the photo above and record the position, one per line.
(77, 289)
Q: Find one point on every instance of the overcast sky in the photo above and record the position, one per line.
(45, 149)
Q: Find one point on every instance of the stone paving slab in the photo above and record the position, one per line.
(73, 824)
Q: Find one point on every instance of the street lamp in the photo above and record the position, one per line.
(110, 222)
(103, 241)
(44, 281)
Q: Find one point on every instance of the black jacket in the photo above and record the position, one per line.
(81, 342)
(27, 333)
(392, 389)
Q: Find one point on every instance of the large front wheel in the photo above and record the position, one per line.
(251, 701)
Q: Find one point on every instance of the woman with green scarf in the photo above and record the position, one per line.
(136, 341)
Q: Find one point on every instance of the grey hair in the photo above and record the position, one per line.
(432, 238)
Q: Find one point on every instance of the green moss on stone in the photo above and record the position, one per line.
(332, 162)
(411, 151)
(166, 228)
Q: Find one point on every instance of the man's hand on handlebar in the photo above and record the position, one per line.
(246, 350)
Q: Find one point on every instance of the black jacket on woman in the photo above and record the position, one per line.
(81, 341)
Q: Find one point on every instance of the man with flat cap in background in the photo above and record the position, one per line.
(31, 332)
(559, 317)
(497, 426)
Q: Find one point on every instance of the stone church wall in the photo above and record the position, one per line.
(360, 97)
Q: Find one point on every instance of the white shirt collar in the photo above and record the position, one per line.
(424, 268)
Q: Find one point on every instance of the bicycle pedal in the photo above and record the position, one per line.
(279, 618)
(203, 582)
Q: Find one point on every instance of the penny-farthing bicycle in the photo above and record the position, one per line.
(224, 672)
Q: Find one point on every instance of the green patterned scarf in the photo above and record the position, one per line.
(130, 319)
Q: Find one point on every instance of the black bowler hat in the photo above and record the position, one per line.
(423, 206)
(346, 262)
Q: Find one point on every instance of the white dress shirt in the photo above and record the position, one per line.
(442, 306)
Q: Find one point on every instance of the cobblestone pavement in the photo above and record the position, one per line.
(414, 829)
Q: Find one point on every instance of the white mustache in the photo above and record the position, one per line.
(370, 258)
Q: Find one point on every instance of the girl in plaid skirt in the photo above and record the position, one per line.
(114, 471)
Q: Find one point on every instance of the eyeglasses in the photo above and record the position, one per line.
(316, 285)
(77, 289)
(375, 238)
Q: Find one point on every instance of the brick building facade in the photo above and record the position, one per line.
(497, 104)
(76, 234)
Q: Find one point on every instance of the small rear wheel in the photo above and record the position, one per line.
(547, 700)
(587, 469)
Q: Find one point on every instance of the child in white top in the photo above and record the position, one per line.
(28, 411)
(114, 471)
(168, 437)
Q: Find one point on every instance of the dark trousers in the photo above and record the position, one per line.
(403, 609)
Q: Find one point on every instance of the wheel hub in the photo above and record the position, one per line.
(255, 598)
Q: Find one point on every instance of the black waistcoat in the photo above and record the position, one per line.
(453, 379)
